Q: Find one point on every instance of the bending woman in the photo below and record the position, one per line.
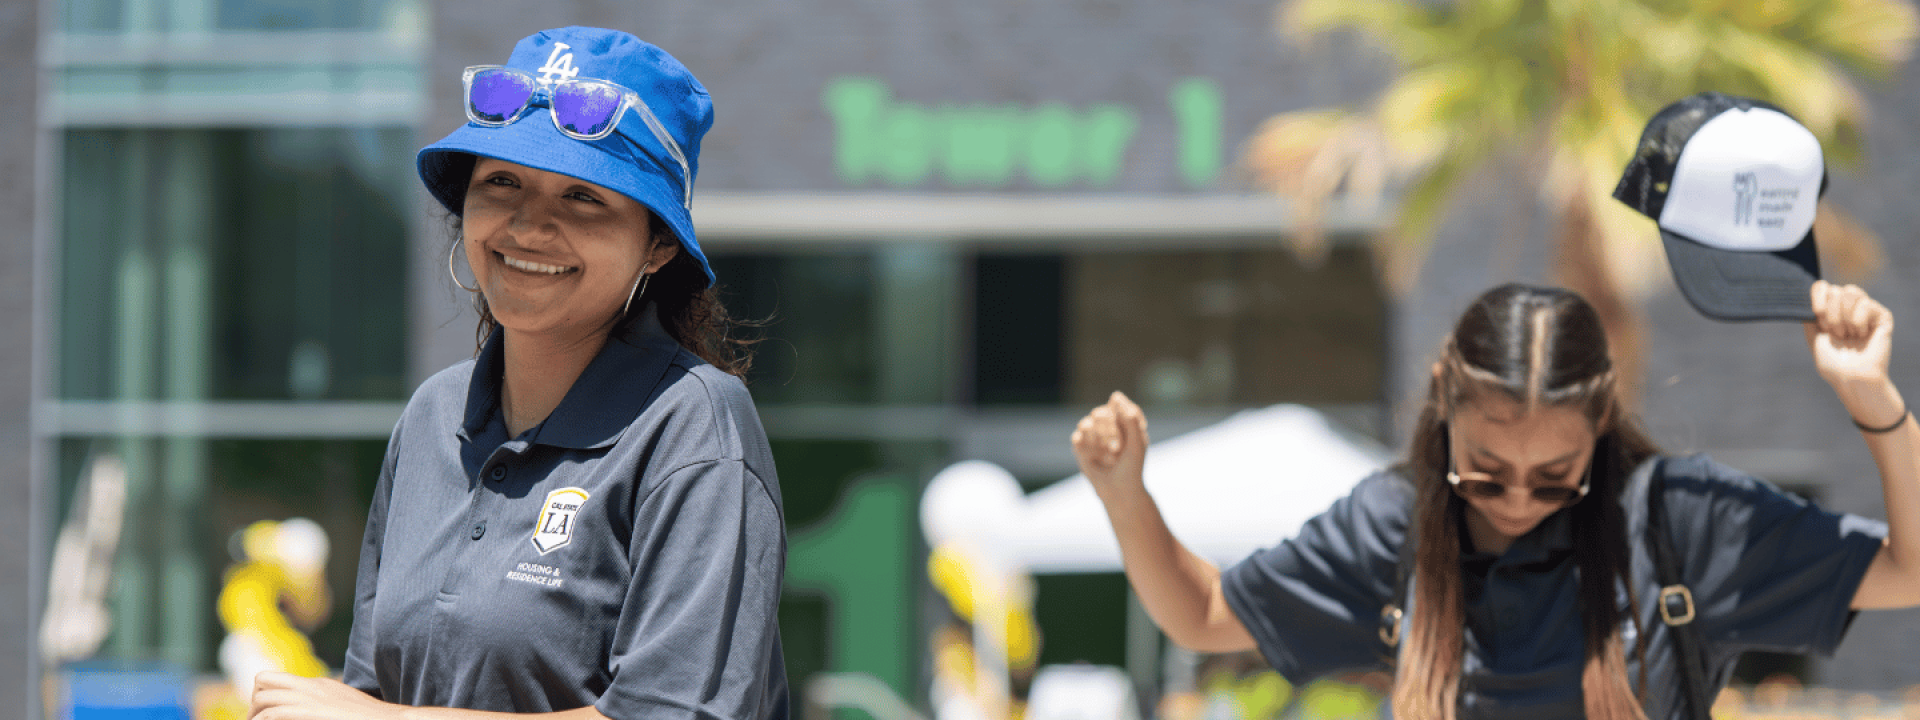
(584, 519)
(1529, 588)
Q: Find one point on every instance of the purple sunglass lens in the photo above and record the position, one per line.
(586, 108)
(495, 96)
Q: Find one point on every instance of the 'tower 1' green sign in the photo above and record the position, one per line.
(980, 145)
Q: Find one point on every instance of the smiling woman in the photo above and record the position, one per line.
(554, 254)
(584, 519)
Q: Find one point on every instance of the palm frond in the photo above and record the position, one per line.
(1569, 82)
(1307, 157)
(1871, 37)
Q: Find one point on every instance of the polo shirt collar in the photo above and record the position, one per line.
(603, 401)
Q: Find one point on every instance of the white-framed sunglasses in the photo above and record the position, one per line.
(581, 108)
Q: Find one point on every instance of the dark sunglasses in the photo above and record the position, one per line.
(1481, 485)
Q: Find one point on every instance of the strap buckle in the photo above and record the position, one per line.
(1390, 625)
(1676, 605)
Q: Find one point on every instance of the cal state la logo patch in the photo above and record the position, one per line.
(555, 528)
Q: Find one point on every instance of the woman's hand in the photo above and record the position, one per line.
(1179, 589)
(285, 696)
(1110, 444)
(1852, 342)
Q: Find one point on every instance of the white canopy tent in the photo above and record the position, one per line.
(1225, 490)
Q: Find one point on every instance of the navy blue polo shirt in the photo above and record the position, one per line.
(1768, 571)
(627, 553)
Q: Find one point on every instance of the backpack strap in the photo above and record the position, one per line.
(1676, 600)
(1394, 611)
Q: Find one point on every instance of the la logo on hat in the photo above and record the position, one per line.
(1734, 184)
(559, 67)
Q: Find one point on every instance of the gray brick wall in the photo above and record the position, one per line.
(766, 63)
(19, 35)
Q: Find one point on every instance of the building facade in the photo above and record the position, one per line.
(961, 224)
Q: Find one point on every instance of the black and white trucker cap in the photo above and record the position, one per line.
(1734, 183)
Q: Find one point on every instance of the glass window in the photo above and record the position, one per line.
(818, 341)
(82, 16)
(107, 16)
(299, 14)
(1018, 327)
(1224, 327)
(263, 264)
(187, 500)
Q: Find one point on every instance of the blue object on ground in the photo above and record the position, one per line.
(122, 691)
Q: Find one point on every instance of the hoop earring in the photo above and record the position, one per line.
(639, 289)
(456, 277)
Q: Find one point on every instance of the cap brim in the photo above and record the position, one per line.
(532, 141)
(1737, 286)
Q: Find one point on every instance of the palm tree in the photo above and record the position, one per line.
(1563, 88)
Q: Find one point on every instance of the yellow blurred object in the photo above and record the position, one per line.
(962, 579)
(276, 589)
(1261, 695)
(1334, 700)
(217, 701)
(250, 606)
(953, 656)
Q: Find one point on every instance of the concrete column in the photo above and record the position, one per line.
(136, 291)
(916, 318)
(914, 306)
(22, 459)
(188, 348)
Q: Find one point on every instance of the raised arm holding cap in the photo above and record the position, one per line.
(1734, 184)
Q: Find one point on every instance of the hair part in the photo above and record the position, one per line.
(1540, 347)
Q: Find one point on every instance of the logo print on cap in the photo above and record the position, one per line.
(1746, 186)
(559, 67)
(555, 528)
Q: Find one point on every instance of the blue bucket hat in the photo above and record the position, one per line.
(630, 160)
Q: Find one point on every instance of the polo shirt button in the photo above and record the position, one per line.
(499, 473)
(479, 529)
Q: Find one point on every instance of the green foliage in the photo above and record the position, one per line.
(1563, 87)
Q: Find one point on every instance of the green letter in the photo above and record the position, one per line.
(860, 559)
(906, 136)
(855, 104)
(1197, 107)
(979, 142)
(1050, 151)
(1103, 142)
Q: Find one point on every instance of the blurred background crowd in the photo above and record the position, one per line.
(962, 223)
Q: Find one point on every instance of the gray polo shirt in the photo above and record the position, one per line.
(1768, 571)
(627, 553)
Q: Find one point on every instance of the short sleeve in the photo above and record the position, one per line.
(1313, 602)
(1768, 569)
(358, 668)
(698, 633)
